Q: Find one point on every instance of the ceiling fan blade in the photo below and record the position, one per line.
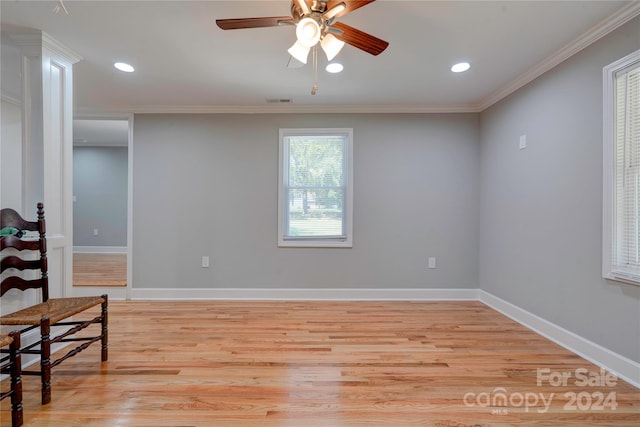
(360, 39)
(240, 23)
(351, 5)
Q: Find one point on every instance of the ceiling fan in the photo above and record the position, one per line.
(315, 23)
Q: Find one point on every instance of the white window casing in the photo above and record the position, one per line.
(621, 170)
(315, 188)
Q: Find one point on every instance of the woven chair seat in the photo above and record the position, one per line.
(56, 309)
(5, 340)
(25, 254)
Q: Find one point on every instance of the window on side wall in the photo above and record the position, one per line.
(621, 189)
(315, 191)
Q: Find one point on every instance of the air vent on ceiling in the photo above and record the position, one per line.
(278, 101)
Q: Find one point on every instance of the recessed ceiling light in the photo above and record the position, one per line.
(122, 66)
(334, 67)
(460, 67)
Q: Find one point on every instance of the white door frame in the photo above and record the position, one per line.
(115, 292)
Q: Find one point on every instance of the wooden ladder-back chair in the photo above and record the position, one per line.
(12, 365)
(51, 311)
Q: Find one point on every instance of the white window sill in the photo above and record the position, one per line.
(303, 243)
(619, 276)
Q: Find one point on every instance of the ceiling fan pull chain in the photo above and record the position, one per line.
(314, 56)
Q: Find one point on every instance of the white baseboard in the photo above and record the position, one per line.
(99, 249)
(306, 294)
(615, 363)
(115, 293)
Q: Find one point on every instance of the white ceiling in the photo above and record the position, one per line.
(184, 62)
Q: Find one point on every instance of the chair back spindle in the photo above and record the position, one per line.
(9, 218)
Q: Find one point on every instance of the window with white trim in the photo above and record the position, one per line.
(621, 190)
(315, 191)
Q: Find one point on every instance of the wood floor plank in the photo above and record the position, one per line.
(308, 364)
(102, 269)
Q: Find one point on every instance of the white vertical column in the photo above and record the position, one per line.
(30, 45)
(11, 125)
(47, 69)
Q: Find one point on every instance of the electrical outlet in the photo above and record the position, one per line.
(432, 262)
(95, 231)
(205, 261)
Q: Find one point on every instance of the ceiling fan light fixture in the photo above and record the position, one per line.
(331, 46)
(299, 52)
(308, 32)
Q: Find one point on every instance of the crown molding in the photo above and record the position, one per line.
(280, 109)
(59, 49)
(619, 18)
(31, 38)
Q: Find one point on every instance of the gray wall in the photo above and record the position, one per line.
(541, 207)
(100, 188)
(207, 185)
(524, 225)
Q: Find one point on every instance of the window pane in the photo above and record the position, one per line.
(315, 212)
(627, 175)
(316, 193)
(316, 161)
(621, 167)
(315, 188)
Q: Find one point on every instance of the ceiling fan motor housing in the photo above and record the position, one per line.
(318, 7)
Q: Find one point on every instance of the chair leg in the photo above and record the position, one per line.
(105, 328)
(16, 380)
(45, 360)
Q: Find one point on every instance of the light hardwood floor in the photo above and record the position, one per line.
(323, 364)
(99, 269)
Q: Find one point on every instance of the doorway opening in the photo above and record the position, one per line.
(101, 204)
